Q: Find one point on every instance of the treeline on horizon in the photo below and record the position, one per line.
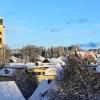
(32, 51)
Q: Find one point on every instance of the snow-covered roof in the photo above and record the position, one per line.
(17, 65)
(56, 60)
(22, 65)
(10, 91)
(40, 58)
(98, 69)
(41, 89)
(30, 65)
(7, 71)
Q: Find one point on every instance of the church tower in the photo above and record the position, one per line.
(2, 42)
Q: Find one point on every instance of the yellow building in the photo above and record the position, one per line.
(39, 73)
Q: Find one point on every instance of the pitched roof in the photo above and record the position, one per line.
(10, 91)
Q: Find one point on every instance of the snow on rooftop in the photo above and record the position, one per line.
(43, 87)
(22, 65)
(7, 71)
(30, 65)
(56, 60)
(98, 69)
(10, 91)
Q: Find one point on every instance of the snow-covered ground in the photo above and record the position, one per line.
(10, 91)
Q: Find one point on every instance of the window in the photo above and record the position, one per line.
(38, 73)
(0, 40)
(43, 73)
(33, 73)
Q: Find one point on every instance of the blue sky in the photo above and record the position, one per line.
(51, 22)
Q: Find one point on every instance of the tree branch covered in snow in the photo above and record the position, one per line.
(79, 83)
